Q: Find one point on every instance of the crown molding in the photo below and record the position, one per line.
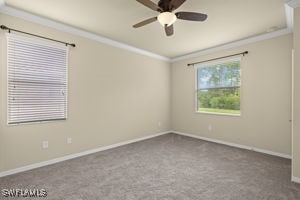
(231, 45)
(289, 15)
(69, 29)
(294, 3)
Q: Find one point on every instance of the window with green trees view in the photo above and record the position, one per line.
(218, 87)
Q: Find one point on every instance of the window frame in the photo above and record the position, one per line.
(205, 64)
(39, 42)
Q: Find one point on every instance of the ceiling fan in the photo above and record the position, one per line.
(166, 18)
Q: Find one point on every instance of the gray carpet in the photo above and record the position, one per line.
(163, 168)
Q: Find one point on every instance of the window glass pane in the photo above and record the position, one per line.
(220, 75)
(218, 88)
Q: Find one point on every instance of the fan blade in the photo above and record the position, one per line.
(192, 16)
(169, 30)
(145, 22)
(150, 5)
(174, 4)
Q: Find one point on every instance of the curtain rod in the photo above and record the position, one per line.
(242, 53)
(10, 29)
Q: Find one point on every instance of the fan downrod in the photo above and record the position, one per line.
(165, 5)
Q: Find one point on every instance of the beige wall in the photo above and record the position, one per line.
(114, 95)
(265, 98)
(296, 131)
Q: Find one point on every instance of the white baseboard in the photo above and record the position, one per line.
(295, 179)
(76, 155)
(235, 145)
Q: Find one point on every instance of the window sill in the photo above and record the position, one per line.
(218, 114)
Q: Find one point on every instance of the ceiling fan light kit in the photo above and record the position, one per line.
(166, 18)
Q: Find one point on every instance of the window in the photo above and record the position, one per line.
(37, 80)
(218, 87)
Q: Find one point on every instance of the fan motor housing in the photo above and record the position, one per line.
(164, 4)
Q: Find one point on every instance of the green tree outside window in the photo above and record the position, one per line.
(218, 87)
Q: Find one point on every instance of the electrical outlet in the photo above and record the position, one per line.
(159, 124)
(69, 140)
(210, 128)
(45, 144)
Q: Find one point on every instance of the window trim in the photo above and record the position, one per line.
(40, 42)
(205, 64)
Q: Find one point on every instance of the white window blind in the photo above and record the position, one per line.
(37, 80)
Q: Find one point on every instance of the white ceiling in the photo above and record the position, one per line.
(228, 21)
